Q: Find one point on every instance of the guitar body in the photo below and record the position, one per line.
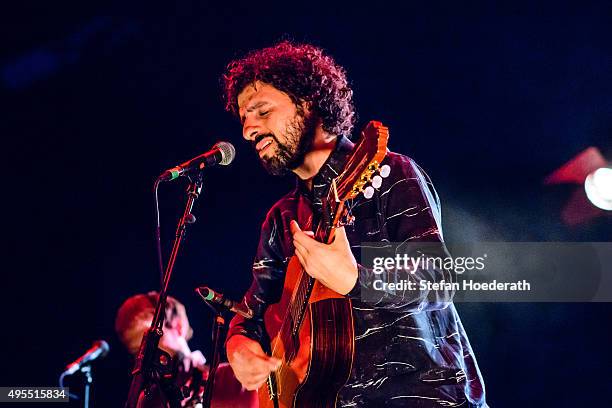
(325, 346)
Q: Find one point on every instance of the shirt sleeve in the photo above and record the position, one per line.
(269, 267)
(411, 218)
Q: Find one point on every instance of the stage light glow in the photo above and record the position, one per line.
(598, 187)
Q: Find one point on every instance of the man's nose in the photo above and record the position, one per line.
(250, 129)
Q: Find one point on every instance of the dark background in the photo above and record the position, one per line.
(99, 99)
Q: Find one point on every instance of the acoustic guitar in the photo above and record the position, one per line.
(311, 327)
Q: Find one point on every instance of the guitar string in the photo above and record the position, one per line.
(292, 312)
(287, 336)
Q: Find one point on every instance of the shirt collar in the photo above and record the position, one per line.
(330, 169)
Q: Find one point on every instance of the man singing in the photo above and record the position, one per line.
(296, 110)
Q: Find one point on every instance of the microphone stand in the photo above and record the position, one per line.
(218, 325)
(153, 364)
(86, 370)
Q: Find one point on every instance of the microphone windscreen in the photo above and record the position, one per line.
(228, 152)
(103, 346)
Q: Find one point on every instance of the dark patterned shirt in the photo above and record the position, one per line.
(410, 347)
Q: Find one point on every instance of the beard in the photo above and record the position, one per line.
(299, 136)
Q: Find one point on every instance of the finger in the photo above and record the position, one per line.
(294, 227)
(252, 349)
(309, 269)
(299, 247)
(252, 386)
(340, 237)
(272, 362)
(198, 359)
(264, 364)
(257, 371)
(301, 258)
(306, 237)
(340, 231)
(250, 359)
(306, 240)
(259, 379)
(276, 361)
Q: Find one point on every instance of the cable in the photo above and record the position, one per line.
(61, 384)
(158, 232)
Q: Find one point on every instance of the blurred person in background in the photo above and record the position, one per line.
(134, 319)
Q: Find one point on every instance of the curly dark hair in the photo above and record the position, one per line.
(303, 72)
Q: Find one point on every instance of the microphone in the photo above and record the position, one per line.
(98, 350)
(222, 153)
(217, 298)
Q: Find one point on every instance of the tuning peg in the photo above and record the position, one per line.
(377, 182)
(385, 171)
(368, 192)
(347, 220)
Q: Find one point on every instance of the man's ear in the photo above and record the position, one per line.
(306, 106)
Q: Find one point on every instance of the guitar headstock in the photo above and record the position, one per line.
(364, 162)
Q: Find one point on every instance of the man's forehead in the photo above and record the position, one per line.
(251, 93)
(257, 94)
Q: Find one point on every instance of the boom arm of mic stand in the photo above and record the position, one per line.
(150, 359)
